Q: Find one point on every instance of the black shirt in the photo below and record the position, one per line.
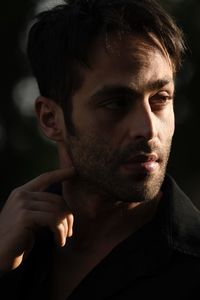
(160, 260)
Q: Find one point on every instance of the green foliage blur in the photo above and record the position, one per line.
(25, 153)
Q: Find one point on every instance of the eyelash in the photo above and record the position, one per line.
(161, 99)
(121, 105)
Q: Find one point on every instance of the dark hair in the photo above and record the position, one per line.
(60, 39)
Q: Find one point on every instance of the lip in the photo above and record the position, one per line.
(142, 158)
(147, 163)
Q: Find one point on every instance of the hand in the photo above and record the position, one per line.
(26, 210)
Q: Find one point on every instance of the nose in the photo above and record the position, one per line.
(143, 123)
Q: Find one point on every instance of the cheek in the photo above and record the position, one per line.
(94, 124)
(167, 127)
(171, 123)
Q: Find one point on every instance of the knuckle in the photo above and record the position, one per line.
(60, 227)
(18, 193)
(44, 176)
(15, 192)
(70, 218)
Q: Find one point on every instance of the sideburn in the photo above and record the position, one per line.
(72, 85)
(67, 108)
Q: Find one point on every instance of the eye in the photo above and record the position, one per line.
(116, 104)
(161, 99)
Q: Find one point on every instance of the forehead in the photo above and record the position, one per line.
(132, 49)
(130, 60)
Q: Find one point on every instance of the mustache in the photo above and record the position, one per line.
(138, 148)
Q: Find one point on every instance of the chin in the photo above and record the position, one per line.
(143, 187)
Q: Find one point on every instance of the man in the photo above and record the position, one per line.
(109, 223)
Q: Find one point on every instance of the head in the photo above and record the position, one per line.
(105, 71)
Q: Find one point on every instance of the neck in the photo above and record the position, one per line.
(85, 200)
(102, 220)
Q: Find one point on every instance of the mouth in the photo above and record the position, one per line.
(147, 163)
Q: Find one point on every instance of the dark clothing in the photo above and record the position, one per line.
(159, 261)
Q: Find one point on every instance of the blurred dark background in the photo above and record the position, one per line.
(25, 153)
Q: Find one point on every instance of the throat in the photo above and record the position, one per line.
(95, 236)
(99, 218)
(86, 201)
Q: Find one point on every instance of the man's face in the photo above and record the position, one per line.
(124, 120)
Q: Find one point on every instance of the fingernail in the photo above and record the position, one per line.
(70, 233)
(63, 244)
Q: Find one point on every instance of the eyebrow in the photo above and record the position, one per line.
(112, 90)
(158, 84)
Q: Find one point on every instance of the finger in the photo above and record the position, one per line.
(42, 206)
(39, 198)
(70, 222)
(39, 201)
(66, 227)
(43, 181)
(48, 202)
(33, 220)
(59, 234)
(63, 230)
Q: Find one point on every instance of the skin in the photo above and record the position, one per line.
(124, 108)
(26, 210)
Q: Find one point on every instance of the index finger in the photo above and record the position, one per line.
(43, 181)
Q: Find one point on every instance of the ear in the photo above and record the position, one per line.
(50, 118)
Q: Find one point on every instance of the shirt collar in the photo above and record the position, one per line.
(180, 219)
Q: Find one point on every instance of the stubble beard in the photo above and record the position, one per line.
(98, 168)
